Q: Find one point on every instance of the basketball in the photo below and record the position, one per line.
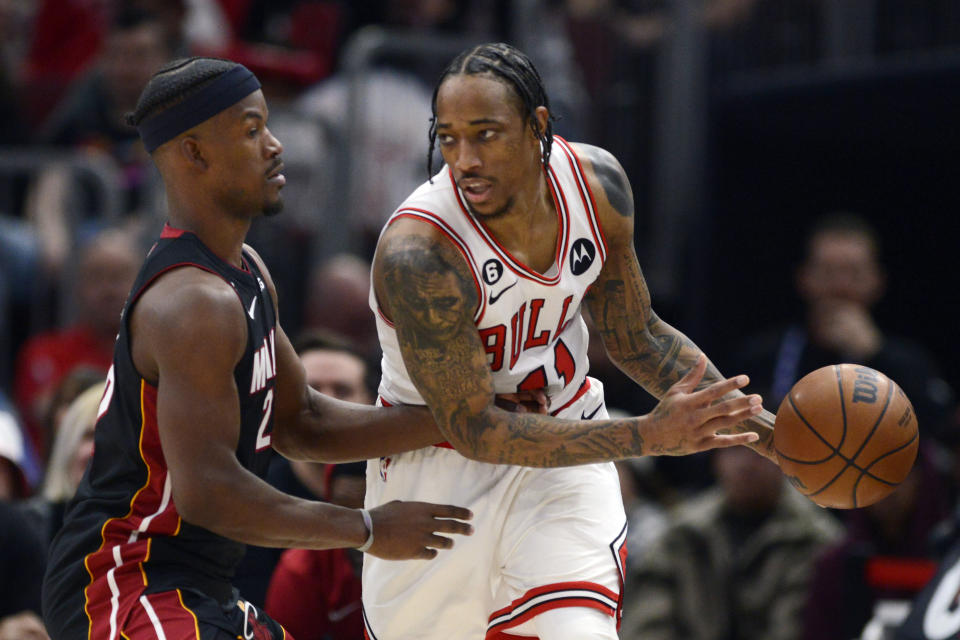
(846, 436)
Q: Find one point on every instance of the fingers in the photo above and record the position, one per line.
(749, 405)
(692, 378)
(722, 388)
(427, 554)
(450, 511)
(721, 442)
(439, 542)
(452, 526)
(532, 401)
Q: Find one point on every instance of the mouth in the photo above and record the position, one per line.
(475, 190)
(275, 175)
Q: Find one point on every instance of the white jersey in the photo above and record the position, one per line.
(529, 323)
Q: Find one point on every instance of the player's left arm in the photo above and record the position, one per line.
(309, 425)
(652, 352)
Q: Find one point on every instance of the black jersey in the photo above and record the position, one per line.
(122, 535)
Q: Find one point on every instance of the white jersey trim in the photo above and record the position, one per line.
(586, 195)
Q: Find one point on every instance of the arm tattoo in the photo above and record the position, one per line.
(650, 351)
(613, 179)
(432, 298)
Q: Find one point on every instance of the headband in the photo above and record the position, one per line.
(228, 89)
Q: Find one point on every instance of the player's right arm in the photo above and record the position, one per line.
(425, 287)
(188, 333)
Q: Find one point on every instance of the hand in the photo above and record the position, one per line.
(687, 421)
(25, 625)
(846, 328)
(535, 401)
(407, 530)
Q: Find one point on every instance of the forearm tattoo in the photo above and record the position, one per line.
(431, 297)
(650, 351)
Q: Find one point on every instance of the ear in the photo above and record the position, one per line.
(542, 114)
(192, 151)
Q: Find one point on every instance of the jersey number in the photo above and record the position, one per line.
(563, 364)
(263, 438)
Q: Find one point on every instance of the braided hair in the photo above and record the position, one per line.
(511, 66)
(175, 81)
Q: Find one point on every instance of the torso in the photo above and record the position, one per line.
(123, 522)
(528, 315)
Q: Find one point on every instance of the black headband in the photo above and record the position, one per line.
(228, 89)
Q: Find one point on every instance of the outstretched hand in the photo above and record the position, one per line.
(688, 420)
(409, 530)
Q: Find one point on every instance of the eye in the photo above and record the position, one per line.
(487, 134)
(253, 132)
(444, 139)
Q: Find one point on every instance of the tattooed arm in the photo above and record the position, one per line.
(650, 351)
(424, 285)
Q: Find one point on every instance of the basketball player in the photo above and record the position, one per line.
(478, 281)
(203, 383)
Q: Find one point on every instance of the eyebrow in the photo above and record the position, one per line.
(443, 125)
(252, 113)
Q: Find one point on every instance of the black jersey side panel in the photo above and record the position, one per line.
(122, 534)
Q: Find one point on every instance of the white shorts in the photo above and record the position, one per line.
(543, 539)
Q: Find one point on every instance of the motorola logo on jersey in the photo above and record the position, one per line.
(492, 271)
(581, 256)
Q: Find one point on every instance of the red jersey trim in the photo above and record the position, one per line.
(584, 387)
(436, 221)
(586, 195)
(171, 232)
(549, 597)
(166, 614)
(515, 265)
(117, 577)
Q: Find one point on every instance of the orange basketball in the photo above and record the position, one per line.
(846, 436)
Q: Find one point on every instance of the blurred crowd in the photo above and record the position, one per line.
(721, 548)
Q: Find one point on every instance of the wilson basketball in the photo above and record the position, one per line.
(846, 436)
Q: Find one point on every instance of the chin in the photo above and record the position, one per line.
(271, 209)
(495, 213)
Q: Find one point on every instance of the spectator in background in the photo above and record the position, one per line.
(105, 271)
(71, 451)
(315, 594)
(735, 561)
(335, 367)
(73, 384)
(382, 142)
(91, 115)
(22, 563)
(338, 301)
(21, 550)
(13, 479)
(885, 557)
(839, 282)
(63, 207)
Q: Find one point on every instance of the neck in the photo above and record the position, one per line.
(222, 232)
(524, 219)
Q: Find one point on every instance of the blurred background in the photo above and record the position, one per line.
(742, 124)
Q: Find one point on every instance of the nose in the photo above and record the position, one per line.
(467, 157)
(274, 146)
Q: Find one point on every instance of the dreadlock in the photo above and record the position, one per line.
(511, 66)
(175, 81)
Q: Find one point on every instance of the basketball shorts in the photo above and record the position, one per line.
(543, 539)
(184, 614)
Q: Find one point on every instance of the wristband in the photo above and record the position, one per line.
(368, 523)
